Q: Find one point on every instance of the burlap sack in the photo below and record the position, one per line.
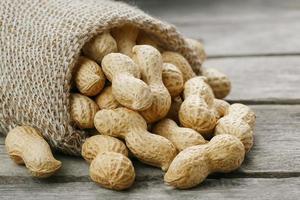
(40, 40)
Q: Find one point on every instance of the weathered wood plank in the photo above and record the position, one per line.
(261, 78)
(276, 152)
(220, 10)
(231, 27)
(247, 188)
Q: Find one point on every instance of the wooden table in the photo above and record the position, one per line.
(257, 43)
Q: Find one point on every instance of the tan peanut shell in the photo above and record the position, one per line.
(221, 107)
(198, 86)
(218, 81)
(243, 112)
(25, 145)
(237, 127)
(180, 62)
(127, 88)
(82, 111)
(174, 109)
(197, 47)
(180, 137)
(112, 170)
(224, 153)
(106, 100)
(100, 46)
(149, 148)
(126, 37)
(98, 144)
(150, 62)
(196, 111)
(89, 78)
(172, 79)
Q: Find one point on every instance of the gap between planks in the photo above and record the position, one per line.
(220, 56)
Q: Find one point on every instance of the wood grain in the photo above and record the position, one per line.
(232, 28)
(246, 188)
(261, 78)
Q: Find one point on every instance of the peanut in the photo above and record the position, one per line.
(100, 46)
(180, 137)
(150, 62)
(237, 127)
(218, 81)
(110, 166)
(126, 38)
(180, 62)
(244, 112)
(82, 111)
(98, 144)
(239, 122)
(25, 145)
(106, 100)
(89, 78)
(196, 111)
(197, 47)
(174, 109)
(221, 107)
(224, 153)
(149, 148)
(172, 79)
(127, 88)
(112, 170)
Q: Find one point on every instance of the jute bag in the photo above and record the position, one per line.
(40, 41)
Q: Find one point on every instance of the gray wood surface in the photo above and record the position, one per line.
(211, 189)
(257, 43)
(232, 27)
(262, 79)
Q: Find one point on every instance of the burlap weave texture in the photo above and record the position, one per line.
(40, 41)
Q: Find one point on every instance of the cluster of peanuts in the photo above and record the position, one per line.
(134, 98)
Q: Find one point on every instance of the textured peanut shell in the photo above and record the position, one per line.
(25, 145)
(237, 127)
(194, 113)
(89, 78)
(127, 88)
(218, 81)
(112, 170)
(198, 86)
(106, 100)
(149, 148)
(180, 62)
(197, 47)
(150, 63)
(224, 153)
(82, 111)
(172, 79)
(180, 137)
(243, 112)
(98, 144)
(174, 109)
(221, 107)
(197, 111)
(126, 37)
(100, 46)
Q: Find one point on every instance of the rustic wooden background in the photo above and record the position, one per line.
(257, 43)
